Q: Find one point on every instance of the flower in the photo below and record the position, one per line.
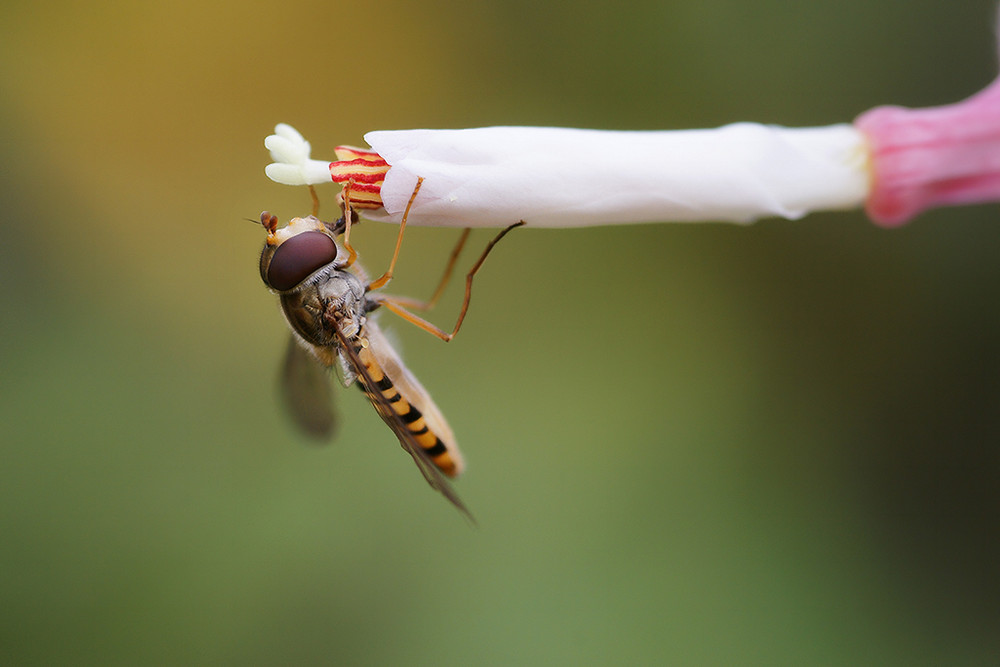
(896, 162)
(559, 177)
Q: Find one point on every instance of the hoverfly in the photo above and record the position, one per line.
(328, 302)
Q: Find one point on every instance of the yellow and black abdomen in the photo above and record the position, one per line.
(406, 406)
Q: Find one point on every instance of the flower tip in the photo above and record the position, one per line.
(289, 132)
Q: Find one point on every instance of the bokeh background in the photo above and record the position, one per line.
(688, 444)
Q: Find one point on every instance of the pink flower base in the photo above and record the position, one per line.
(940, 156)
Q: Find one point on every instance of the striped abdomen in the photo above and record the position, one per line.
(403, 397)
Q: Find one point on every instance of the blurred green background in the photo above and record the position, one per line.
(688, 444)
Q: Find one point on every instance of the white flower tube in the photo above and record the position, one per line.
(558, 177)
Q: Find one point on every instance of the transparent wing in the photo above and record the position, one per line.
(430, 472)
(306, 392)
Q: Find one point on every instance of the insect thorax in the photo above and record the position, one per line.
(312, 309)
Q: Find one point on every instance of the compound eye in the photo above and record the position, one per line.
(298, 257)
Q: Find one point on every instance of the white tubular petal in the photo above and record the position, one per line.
(286, 174)
(310, 172)
(287, 145)
(315, 172)
(557, 177)
(292, 165)
(286, 130)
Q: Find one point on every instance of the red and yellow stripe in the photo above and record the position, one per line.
(365, 171)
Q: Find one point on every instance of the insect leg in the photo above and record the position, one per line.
(352, 254)
(399, 305)
(387, 276)
(315, 201)
(416, 304)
